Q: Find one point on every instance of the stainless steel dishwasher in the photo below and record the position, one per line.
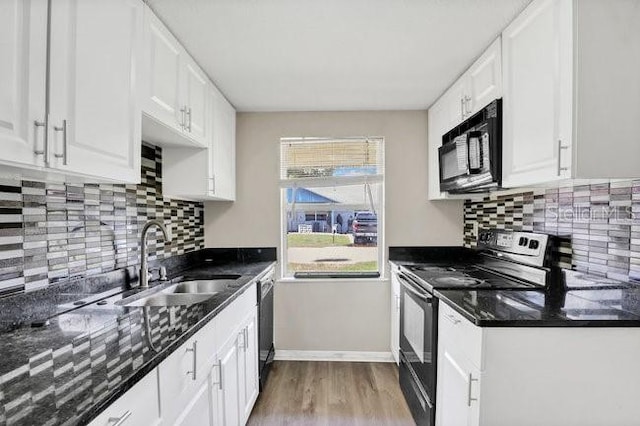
(265, 326)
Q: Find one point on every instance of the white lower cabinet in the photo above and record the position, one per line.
(181, 383)
(395, 317)
(210, 380)
(458, 388)
(225, 391)
(249, 365)
(531, 376)
(235, 383)
(198, 412)
(138, 406)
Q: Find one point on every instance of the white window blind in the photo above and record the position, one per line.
(313, 162)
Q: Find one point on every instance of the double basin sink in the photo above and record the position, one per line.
(182, 293)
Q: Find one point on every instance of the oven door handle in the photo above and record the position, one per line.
(409, 287)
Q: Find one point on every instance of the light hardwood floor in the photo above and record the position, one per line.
(331, 393)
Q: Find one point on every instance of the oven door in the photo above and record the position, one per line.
(418, 329)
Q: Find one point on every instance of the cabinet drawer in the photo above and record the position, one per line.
(139, 406)
(461, 333)
(230, 319)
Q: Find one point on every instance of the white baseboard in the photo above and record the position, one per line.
(349, 356)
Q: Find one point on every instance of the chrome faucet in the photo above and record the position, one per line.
(144, 262)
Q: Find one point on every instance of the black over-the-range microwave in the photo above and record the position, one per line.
(470, 157)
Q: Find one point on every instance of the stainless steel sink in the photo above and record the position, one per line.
(184, 293)
(168, 299)
(198, 287)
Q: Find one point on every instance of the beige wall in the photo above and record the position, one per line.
(344, 316)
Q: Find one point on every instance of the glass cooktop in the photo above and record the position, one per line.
(464, 276)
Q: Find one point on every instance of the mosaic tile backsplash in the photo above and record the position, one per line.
(50, 232)
(601, 223)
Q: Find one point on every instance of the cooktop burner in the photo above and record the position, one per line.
(462, 281)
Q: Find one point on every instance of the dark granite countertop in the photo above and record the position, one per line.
(517, 308)
(612, 307)
(67, 371)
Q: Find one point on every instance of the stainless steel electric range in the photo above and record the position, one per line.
(503, 260)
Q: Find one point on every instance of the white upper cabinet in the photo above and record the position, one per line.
(162, 63)
(535, 126)
(23, 47)
(484, 79)
(571, 92)
(90, 129)
(223, 149)
(475, 89)
(208, 174)
(176, 90)
(94, 121)
(196, 95)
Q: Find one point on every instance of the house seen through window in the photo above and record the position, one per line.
(332, 205)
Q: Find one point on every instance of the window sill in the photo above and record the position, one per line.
(322, 281)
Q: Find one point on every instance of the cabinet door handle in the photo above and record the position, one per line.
(118, 421)
(183, 121)
(189, 116)
(469, 398)
(193, 349)
(62, 129)
(467, 101)
(560, 148)
(219, 365)
(462, 108)
(44, 149)
(244, 343)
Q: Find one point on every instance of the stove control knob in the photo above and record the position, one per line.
(534, 244)
(523, 241)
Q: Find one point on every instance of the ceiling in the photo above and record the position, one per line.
(335, 55)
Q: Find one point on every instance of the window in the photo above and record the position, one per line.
(332, 206)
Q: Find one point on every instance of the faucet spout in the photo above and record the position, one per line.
(144, 262)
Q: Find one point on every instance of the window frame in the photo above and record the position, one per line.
(381, 215)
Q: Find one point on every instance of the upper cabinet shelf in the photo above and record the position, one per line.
(478, 86)
(571, 92)
(90, 129)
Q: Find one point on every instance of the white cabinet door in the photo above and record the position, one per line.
(458, 390)
(178, 382)
(163, 66)
(23, 55)
(196, 93)
(537, 91)
(438, 122)
(138, 406)
(94, 122)
(198, 411)
(456, 107)
(249, 369)
(485, 79)
(395, 317)
(225, 387)
(222, 180)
